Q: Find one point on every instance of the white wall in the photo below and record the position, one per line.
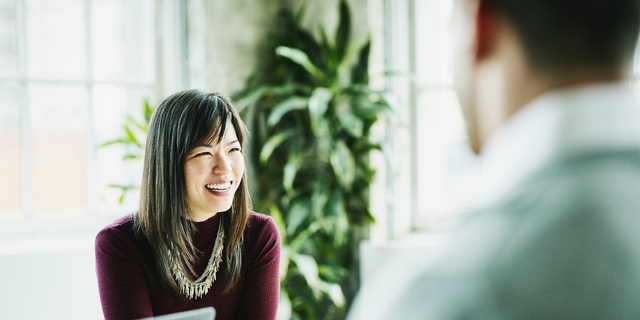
(49, 278)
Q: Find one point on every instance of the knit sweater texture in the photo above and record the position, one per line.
(127, 293)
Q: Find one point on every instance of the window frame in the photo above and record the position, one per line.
(398, 178)
(171, 75)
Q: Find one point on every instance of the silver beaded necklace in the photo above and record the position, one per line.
(202, 285)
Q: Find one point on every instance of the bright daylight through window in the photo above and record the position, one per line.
(69, 72)
(431, 172)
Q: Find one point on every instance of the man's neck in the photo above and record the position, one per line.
(537, 84)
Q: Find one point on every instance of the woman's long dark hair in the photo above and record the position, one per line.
(181, 122)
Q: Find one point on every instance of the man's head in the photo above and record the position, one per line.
(559, 35)
(510, 51)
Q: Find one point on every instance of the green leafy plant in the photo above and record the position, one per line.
(310, 111)
(134, 134)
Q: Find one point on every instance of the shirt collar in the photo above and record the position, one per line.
(595, 117)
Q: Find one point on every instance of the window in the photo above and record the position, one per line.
(69, 72)
(431, 172)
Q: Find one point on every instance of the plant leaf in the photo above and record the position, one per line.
(290, 172)
(148, 111)
(352, 124)
(293, 103)
(130, 156)
(344, 67)
(275, 213)
(284, 306)
(318, 105)
(344, 29)
(301, 58)
(324, 40)
(333, 273)
(360, 72)
(300, 239)
(285, 258)
(309, 269)
(132, 137)
(125, 187)
(113, 142)
(343, 163)
(133, 122)
(249, 99)
(273, 143)
(342, 225)
(319, 198)
(298, 212)
(334, 291)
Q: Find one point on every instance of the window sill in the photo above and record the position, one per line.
(375, 254)
(50, 234)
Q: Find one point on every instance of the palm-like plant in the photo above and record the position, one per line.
(310, 111)
(134, 135)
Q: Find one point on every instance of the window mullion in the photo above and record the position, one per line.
(90, 150)
(390, 138)
(413, 113)
(23, 107)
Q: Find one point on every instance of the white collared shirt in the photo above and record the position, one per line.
(603, 116)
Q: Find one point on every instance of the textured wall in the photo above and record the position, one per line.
(226, 36)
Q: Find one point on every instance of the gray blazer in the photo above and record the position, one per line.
(563, 244)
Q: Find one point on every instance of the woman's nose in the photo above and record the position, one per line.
(222, 165)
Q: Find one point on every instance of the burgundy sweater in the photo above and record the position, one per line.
(127, 293)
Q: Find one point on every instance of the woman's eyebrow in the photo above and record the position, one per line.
(206, 145)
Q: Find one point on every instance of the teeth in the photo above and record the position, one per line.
(219, 187)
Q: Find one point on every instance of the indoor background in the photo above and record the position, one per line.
(71, 71)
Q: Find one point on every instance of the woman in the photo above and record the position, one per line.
(193, 243)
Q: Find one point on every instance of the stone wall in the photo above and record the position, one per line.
(226, 37)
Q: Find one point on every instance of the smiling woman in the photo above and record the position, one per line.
(213, 171)
(193, 221)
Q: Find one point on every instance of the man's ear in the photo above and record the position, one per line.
(485, 36)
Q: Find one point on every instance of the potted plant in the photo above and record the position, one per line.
(310, 111)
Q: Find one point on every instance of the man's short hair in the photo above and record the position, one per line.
(565, 34)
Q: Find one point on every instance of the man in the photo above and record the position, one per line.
(545, 92)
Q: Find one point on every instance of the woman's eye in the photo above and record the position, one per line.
(234, 149)
(202, 153)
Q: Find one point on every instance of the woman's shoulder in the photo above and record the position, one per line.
(261, 221)
(260, 218)
(119, 230)
(262, 226)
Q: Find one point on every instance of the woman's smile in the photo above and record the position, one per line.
(220, 189)
(213, 172)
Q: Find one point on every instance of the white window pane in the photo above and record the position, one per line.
(433, 42)
(447, 170)
(8, 50)
(111, 104)
(123, 39)
(58, 129)
(10, 155)
(56, 39)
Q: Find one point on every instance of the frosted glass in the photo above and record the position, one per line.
(433, 42)
(111, 103)
(10, 154)
(8, 49)
(123, 40)
(447, 170)
(58, 129)
(56, 39)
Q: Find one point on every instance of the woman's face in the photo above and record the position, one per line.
(213, 172)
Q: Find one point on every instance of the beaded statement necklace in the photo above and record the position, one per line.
(202, 285)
